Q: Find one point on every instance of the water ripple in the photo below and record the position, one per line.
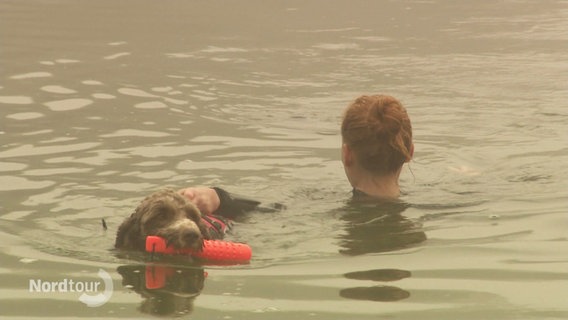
(136, 133)
(136, 93)
(25, 115)
(30, 75)
(151, 105)
(117, 55)
(27, 150)
(11, 183)
(68, 104)
(16, 100)
(57, 89)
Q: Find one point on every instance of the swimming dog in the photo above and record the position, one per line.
(167, 214)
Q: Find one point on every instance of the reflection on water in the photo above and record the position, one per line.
(165, 290)
(375, 227)
(377, 293)
(384, 275)
(378, 227)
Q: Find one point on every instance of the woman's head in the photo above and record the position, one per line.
(378, 131)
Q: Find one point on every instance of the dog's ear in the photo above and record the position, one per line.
(191, 211)
(125, 233)
(122, 229)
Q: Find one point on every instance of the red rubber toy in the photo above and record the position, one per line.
(213, 250)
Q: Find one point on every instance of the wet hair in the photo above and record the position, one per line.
(378, 130)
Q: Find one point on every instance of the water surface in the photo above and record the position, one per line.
(103, 102)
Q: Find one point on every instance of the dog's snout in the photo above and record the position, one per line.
(191, 236)
(183, 233)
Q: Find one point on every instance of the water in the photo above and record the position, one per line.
(103, 102)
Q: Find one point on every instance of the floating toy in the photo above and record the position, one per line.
(213, 250)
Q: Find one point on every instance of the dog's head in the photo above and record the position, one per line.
(166, 214)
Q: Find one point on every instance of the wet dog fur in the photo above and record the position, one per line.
(167, 214)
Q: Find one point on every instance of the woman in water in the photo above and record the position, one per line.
(377, 142)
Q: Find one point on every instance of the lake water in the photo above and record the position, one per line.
(103, 102)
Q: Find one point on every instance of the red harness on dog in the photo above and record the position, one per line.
(217, 225)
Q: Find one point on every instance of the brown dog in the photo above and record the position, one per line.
(166, 214)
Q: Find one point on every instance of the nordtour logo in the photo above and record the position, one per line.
(93, 293)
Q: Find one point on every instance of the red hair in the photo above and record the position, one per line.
(378, 130)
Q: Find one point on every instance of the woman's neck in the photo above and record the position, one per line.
(385, 186)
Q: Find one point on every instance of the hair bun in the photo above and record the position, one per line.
(378, 129)
(385, 118)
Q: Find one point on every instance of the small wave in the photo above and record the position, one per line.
(12, 166)
(10, 183)
(103, 96)
(16, 100)
(151, 105)
(117, 55)
(65, 61)
(336, 46)
(162, 89)
(57, 89)
(31, 75)
(213, 49)
(31, 150)
(135, 133)
(136, 93)
(117, 43)
(25, 115)
(91, 82)
(68, 104)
